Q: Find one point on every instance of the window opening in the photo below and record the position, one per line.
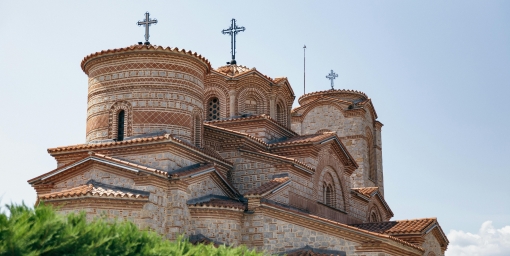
(214, 109)
(197, 131)
(120, 126)
(329, 197)
(280, 117)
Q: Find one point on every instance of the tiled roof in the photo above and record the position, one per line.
(267, 187)
(91, 190)
(221, 203)
(283, 158)
(237, 70)
(279, 79)
(139, 48)
(367, 191)
(166, 137)
(232, 70)
(237, 133)
(96, 156)
(303, 139)
(251, 117)
(190, 170)
(398, 227)
(331, 91)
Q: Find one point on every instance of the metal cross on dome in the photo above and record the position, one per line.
(331, 76)
(232, 31)
(147, 22)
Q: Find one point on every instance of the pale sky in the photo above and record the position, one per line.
(438, 73)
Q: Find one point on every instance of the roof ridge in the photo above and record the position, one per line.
(282, 157)
(259, 116)
(268, 186)
(169, 137)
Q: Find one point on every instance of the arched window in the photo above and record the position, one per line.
(373, 217)
(197, 131)
(280, 114)
(120, 125)
(213, 109)
(250, 106)
(329, 195)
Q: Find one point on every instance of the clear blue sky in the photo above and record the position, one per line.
(437, 72)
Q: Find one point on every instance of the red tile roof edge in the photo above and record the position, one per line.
(89, 190)
(331, 91)
(369, 192)
(295, 140)
(243, 73)
(91, 156)
(166, 137)
(283, 158)
(252, 138)
(252, 117)
(145, 47)
(269, 186)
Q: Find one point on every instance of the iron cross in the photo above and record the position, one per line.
(331, 76)
(232, 31)
(147, 22)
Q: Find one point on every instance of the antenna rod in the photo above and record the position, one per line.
(304, 69)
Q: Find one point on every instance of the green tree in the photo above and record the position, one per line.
(41, 231)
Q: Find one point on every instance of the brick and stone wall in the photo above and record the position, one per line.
(159, 90)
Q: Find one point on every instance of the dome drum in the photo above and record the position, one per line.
(154, 90)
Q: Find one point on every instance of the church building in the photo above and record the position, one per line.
(219, 155)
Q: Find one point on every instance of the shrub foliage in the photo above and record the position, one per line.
(41, 231)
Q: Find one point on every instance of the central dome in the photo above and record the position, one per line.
(232, 70)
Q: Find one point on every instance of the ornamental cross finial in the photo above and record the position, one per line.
(331, 76)
(232, 31)
(147, 22)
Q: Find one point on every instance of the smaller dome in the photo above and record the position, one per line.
(232, 70)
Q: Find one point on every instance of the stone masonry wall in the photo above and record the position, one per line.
(152, 214)
(277, 236)
(224, 230)
(350, 129)
(431, 245)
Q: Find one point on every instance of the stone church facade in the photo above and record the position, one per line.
(219, 155)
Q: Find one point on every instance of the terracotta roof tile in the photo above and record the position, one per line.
(166, 137)
(303, 139)
(142, 167)
(91, 190)
(398, 227)
(331, 91)
(283, 158)
(96, 156)
(221, 203)
(236, 132)
(367, 191)
(232, 70)
(139, 48)
(250, 117)
(190, 170)
(267, 187)
(237, 70)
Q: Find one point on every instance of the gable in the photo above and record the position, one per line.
(206, 185)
